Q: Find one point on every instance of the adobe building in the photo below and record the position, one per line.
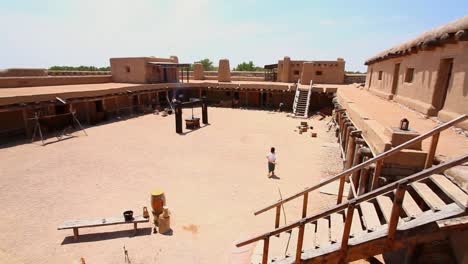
(325, 72)
(428, 73)
(146, 69)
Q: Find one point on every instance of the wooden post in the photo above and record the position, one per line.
(266, 244)
(277, 217)
(27, 131)
(351, 148)
(300, 241)
(75, 233)
(304, 204)
(363, 181)
(339, 199)
(394, 217)
(377, 171)
(432, 150)
(347, 230)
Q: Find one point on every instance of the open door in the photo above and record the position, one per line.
(444, 77)
(396, 74)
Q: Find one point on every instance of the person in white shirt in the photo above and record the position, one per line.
(271, 157)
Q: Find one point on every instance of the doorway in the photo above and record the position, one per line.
(396, 74)
(444, 76)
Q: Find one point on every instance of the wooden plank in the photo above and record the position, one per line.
(336, 227)
(431, 199)
(453, 223)
(385, 204)
(322, 236)
(410, 206)
(452, 190)
(370, 216)
(101, 222)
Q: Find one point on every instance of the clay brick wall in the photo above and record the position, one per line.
(425, 90)
(326, 72)
(77, 73)
(22, 72)
(355, 78)
(13, 82)
(137, 70)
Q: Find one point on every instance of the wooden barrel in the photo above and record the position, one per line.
(158, 200)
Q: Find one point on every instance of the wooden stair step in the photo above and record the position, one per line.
(370, 216)
(386, 205)
(336, 227)
(410, 206)
(431, 199)
(322, 235)
(452, 190)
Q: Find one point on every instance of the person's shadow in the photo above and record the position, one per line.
(274, 177)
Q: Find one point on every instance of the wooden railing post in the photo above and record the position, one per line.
(432, 150)
(304, 204)
(266, 245)
(347, 230)
(377, 171)
(394, 217)
(300, 241)
(339, 199)
(277, 217)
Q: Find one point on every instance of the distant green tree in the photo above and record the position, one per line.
(79, 68)
(207, 65)
(355, 72)
(247, 66)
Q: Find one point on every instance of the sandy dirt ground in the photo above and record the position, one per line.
(214, 178)
(389, 113)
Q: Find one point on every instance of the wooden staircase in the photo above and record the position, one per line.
(422, 207)
(425, 202)
(301, 103)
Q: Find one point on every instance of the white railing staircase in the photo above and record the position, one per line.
(302, 102)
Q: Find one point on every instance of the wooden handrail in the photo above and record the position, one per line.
(377, 158)
(370, 195)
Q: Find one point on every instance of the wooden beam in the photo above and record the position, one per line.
(277, 216)
(266, 245)
(346, 231)
(396, 209)
(304, 205)
(300, 241)
(432, 150)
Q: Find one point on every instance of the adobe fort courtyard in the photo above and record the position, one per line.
(371, 168)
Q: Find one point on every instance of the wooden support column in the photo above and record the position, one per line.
(432, 150)
(346, 231)
(377, 172)
(277, 216)
(339, 199)
(300, 241)
(266, 245)
(75, 233)
(350, 149)
(88, 118)
(363, 179)
(304, 204)
(394, 217)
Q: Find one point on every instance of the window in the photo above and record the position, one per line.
(409, 75)
(380, 75)
(296, 72)
(127, 69)
(318, 73)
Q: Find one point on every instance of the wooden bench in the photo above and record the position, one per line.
(75, 224)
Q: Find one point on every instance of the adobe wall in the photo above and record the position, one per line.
(421, 94)
(355, 78)
(13, 82)
(75, 73)
(22, 72)
(137, 70)
(326, 72)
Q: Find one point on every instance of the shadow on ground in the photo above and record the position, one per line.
(107, 235)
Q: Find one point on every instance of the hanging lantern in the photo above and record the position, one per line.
(404, 124)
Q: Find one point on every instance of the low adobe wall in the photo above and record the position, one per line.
(354, 78)
(13, 82)
(77, 73)
(20, 72)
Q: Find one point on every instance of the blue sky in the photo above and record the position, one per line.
(86, 32)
